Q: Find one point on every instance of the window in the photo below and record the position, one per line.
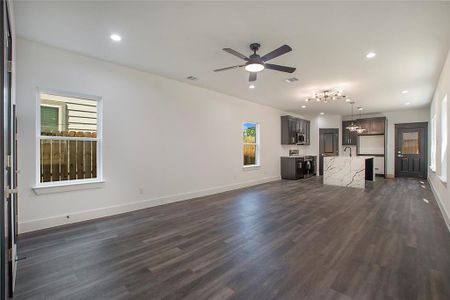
(433, 144)
(69, 138)
(251, 144)
(444, 128)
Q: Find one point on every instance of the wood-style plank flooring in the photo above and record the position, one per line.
(281, 240)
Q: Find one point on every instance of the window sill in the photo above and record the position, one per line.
(67, 186)
(251, 167)
(443, 180)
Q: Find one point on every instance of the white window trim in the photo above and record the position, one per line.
(258, 146)
(444, 137)
(433, 144)
(68, 185)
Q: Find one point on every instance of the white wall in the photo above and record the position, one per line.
(397, 117)
(164, 138)
(441, 189)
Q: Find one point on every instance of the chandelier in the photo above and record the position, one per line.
(352, 127)
(360, 130)
(326, 95)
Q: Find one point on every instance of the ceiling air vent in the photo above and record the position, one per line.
(289, 80)
(192, 78)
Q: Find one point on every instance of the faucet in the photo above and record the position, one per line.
(350, 150)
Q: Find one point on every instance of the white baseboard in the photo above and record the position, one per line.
(441, 205)
(39, 224)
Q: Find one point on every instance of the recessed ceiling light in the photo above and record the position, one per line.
(322, 113)
(115, 37)
(348, 100)
(303, 106)
(360, 108)
(407, 103)
(251, 86)
(371, 55)
(405, 92)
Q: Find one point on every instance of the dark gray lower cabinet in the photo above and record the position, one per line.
(291, 168)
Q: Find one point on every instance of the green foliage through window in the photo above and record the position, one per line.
(249, 135)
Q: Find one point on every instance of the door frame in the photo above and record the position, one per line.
(320, 141)
(412, 125)
(8, 239)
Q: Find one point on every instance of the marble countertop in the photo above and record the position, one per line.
(298, 156)
(345, 170)
(353, 157)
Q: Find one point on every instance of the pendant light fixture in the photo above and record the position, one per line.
(360, 130)
(352, 127)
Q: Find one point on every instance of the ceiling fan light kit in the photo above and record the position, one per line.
(256, 63)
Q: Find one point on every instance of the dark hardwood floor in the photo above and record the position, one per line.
(281, 240)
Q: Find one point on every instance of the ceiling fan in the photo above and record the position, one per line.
(255, 63)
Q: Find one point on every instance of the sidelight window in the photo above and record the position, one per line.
(69, 138)
(433, 144)
(250, 135)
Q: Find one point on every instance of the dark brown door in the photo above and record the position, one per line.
(411, 150)
(7, 240)
(328, 144)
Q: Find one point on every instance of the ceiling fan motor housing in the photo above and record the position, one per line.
(255, 47)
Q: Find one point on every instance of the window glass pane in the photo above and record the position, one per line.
(249, 133)
(410, 143)
(68, 116)
(433, 144)
(249, 154)
(67, 160)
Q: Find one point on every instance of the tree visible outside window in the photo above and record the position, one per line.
(251, 143)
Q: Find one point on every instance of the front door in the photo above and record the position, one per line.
(411, 150)
(328, 144)
(7, 162)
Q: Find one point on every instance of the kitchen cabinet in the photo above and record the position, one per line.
(348, 137)
(290, 127)
(377, 125)
(373, 126)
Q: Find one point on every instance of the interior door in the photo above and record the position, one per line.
(411, 150)
(328, 144)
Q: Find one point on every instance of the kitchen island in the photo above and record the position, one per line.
(348, 171)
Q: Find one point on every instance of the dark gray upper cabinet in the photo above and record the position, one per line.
(377, 125)
(291, 127)
(348, 137)
(372, 126)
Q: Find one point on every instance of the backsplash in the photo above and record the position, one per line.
(303, 150)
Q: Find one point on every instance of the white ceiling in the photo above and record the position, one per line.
(329, 41)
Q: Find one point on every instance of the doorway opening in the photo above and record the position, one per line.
(328, 144)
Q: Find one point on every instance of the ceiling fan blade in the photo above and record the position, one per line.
(235, 53)
(252, 76)
(228, 68)
(277, 52)
(279, 68)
